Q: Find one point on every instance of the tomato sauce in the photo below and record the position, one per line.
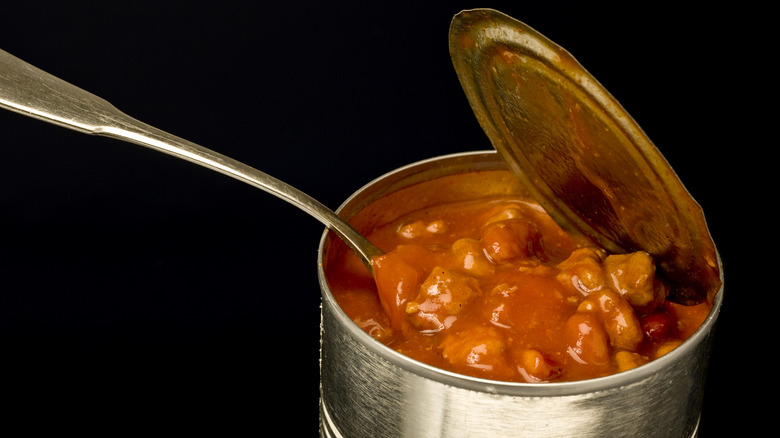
(493, 288)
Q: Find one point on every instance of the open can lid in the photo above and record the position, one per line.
(582, 156)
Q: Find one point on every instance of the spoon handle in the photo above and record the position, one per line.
(27, 90)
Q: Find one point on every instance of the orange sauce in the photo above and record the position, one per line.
(494, 288)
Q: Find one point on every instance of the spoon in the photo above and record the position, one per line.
(27, 90)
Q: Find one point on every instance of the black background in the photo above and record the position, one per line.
(137, 289)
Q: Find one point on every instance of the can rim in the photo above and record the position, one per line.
(551, 389)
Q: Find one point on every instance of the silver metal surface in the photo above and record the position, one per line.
(370, 390)
(27, 90)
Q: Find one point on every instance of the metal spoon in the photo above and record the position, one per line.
(32, 92)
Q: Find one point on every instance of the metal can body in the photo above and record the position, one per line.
(370, 390)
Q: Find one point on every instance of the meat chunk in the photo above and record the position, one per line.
(633, 276)
(470, 258)
(666, 347)
(442, 296)
(420, 229)
(481, 349)
(534, 366)
(626, 360)
(584, 270)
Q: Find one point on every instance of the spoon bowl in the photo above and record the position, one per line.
(32, 92)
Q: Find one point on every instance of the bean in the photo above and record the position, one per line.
(534, 366)
(657, 326)
(511, 239)
(587, 339)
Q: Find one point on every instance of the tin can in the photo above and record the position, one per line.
(369, 390)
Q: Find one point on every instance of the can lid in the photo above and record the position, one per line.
(582, 156)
